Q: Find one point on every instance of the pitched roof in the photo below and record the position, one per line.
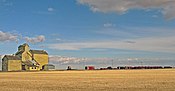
(11, 57)
(30, 63)
(38, 52)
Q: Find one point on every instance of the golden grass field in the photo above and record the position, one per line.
(102, 80)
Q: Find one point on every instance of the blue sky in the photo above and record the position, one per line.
(116, 29)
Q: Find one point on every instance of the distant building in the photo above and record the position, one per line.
(89, 68)
(48, 67)
(25, 59)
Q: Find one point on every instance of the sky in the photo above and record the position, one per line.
(91, 32)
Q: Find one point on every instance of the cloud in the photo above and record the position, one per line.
(58, 39)
(5, 3)
(167, 7)
(6, 36)
(34, 40)
(155, 16)
(154, 39)
(125, 32)
(106, 61)
(65, 60)
(155, 44)
(131, 42)
(109, 25)
(50, 9)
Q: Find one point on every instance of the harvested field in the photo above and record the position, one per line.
(102, 80)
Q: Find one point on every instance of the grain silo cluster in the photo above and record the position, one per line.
(26, 59)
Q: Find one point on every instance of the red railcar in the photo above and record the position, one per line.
(89, 68)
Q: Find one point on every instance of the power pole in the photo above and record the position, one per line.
(112, 62)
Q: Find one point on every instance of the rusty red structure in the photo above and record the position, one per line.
(89, 68)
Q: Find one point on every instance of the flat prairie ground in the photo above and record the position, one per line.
(100, 80)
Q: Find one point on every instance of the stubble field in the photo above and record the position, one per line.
(105, 80)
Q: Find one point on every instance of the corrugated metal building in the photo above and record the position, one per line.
(48, 67)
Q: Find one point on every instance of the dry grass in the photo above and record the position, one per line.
(116, 80)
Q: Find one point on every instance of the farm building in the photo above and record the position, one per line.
(48, 67)
(25, 59)
(11, 63)
(30, 65)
